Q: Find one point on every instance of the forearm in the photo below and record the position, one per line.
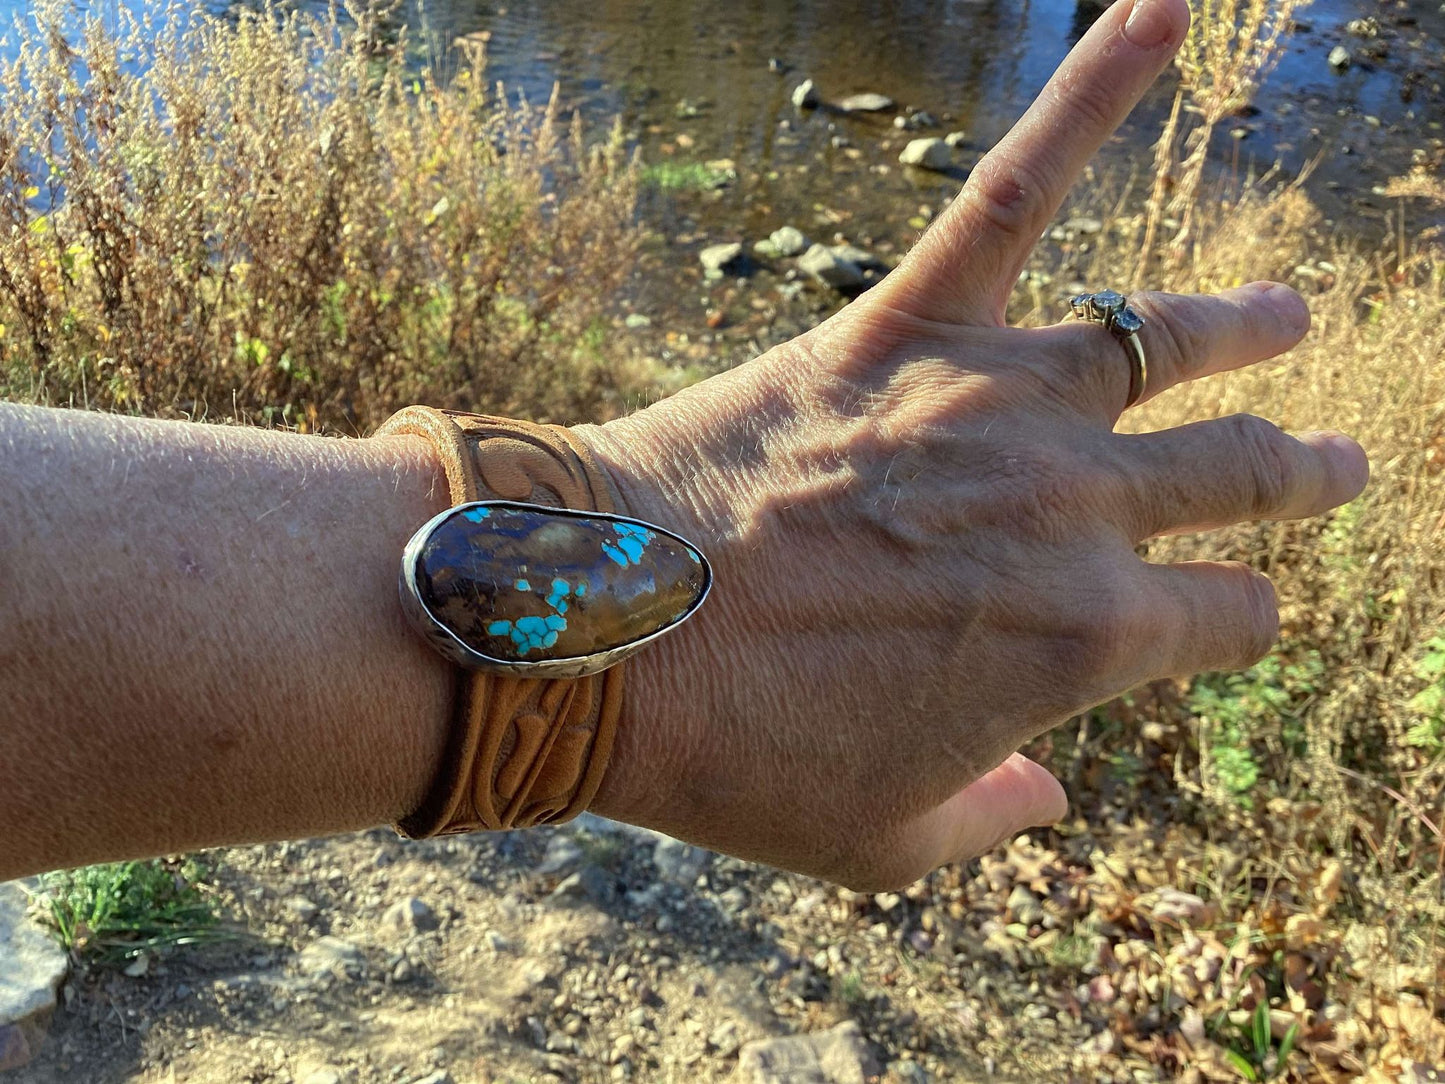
(200, 641)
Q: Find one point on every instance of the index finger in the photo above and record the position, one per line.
(963, 269)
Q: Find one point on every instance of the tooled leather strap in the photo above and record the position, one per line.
(521, 751)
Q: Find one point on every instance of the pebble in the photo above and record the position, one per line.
(718, 257)
(805, 95)
(865, 103)
(788, 241)
(441, 1076)
(1340, 58)
(302, 908)
(586, 885)
(820, 262)
(333, 957)
(563, 854)
(956, 139)
(927, 153)
(679, 863)
(327, 1074)
(636, 321)
(409, 916)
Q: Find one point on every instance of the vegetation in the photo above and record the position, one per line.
(275, 218)
(119, 912)
(281, 222)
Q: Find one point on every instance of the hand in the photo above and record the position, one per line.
(923, 529)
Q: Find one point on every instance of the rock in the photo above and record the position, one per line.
(853, 254)
(956, 139)
(718, 257)
(865, 103)
(837, 1056)
(914, 121)
(677, 862)
(563, 855)
(302, 908)
(1084, 225)
(1025, 906)
(331, 957)
(927, 153)
(479, 580)
(805, 95)
(409, 916)
(34, 967)
(588, 885)
(327, 1074)
(905, 1072)
(724, 1039)
(441, 1076)
(788, 241)
(636, 321)
(820, 262)
(1340, 58)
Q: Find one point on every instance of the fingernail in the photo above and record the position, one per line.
(1150, 23)
(1287, 305)
(1346, 454)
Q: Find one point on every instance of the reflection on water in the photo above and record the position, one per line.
(700, 80)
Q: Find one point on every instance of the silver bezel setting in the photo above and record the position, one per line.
(451, 647)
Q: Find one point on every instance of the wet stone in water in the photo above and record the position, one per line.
(527, 584)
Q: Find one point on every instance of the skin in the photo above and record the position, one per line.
(921, 522)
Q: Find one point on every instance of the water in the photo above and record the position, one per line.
(692, 82)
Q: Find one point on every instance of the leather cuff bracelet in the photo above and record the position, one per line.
(537, 589)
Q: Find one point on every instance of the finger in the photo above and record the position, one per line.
(1184, 337)
(1225, 615)
(1016, 795)
(965, 266)
(1214, 473)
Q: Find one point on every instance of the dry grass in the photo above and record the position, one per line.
(1304, 801)
(274, 217)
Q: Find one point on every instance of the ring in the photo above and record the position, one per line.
(1111, 309)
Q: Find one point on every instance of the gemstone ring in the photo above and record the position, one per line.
(1111, 309)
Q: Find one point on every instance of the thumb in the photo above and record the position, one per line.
(1018, 794)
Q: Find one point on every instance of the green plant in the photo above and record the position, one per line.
(1250, 1048)
(850, 989)
(1428, 731)
(1242, 714)
(673, 176)
(112, 913)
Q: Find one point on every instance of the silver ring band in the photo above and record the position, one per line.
(1111, 310)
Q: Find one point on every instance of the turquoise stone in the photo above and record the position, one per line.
(526, 584)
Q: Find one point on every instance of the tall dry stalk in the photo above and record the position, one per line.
(1232, 45)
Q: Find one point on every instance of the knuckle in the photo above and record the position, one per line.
(1268, 463)
(1184, 339)
(1011, 196)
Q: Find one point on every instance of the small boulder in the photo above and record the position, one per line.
(836, 1056)
(410, 916)
(717, 257)
(865, 103)
(805, 95)
(563, 855)
(33, 968)
(331, 957)
(927, 153)
(677, 862)
(820, 262)
(788, 241)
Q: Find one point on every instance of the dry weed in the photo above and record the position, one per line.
(274, 216)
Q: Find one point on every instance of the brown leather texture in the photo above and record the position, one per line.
(521, 751)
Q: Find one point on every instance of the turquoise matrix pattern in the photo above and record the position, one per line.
(524, 583)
